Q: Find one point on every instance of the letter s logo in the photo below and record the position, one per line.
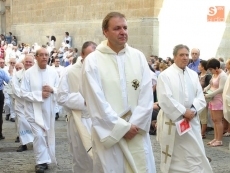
(212, 11)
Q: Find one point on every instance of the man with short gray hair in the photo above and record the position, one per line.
(180, 97)
(195, 53)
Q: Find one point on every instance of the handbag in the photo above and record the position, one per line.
(209, 98)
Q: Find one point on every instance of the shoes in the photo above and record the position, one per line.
(216, 144)
(227, 134)
(22, 148)
(203, 137)
(152, 132)
(209, 159)
(41, 168)
(57, 116)
(209, 143)
(208, 129)
(17, 139)
(7, 117)
(2, 137)
(12, 120)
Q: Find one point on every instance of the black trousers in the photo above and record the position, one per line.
(1, 109)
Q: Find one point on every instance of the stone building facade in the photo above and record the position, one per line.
(32, 20)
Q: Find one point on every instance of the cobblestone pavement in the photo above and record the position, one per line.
(14, 162)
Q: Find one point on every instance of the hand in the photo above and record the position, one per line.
(11, 68)
(189, 114)
(155, 107)
(131, 133)
(47, 88)
(45, 94)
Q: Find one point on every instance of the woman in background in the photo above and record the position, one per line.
(214, 91)
(204, 78)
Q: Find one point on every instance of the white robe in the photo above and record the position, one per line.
(178, 91)
(71, 99)
(39, 112)
(108, 128)
(24, 129)
(226, 99)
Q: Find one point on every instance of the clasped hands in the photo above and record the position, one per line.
(46, 91)
(132, 132)
(189, 115)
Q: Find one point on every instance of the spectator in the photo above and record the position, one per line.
(214, 92)
(67, 37)
(14, 41)
(204, 78)
(195, 53)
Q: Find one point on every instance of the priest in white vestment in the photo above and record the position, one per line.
(180, 96)
(78, 120)
(23, 126)
(39, 88)
(117, 87)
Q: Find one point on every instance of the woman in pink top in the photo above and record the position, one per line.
(214, 91)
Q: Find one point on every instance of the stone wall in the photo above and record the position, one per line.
(32, 20)
(2, 17)
(224, 46)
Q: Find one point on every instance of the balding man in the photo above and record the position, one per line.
(24, 130)
(19, 66)
(195, 54)
(38, 88)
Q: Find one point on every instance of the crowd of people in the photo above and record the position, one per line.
(113, 99)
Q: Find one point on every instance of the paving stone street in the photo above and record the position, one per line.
(15, 162)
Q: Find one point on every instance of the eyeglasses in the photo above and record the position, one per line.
(43, 54)
(194, 53)
(12, 62)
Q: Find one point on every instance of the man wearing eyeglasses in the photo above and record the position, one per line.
(38, 88)
(195, 54)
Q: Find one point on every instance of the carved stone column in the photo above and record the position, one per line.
(2, 17)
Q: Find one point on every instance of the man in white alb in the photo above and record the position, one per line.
(38, 89)
(117, 87)
(180, 97)
(24, 129)
(78, 120)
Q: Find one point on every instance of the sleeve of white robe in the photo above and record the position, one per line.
(16, 86)
(172, 108)
(26, 93)
(65, 98)
(109, 127)
(141, 115)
